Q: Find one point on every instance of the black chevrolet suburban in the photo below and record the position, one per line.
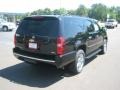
(63, 41)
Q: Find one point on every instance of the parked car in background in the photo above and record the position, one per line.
(111, 23)
(64, 41)
(6, 26)
(101, 24)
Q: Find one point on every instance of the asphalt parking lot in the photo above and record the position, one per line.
(100, 73)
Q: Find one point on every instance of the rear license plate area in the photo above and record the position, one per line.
(32, 45)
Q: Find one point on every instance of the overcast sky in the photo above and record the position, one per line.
(22, 6)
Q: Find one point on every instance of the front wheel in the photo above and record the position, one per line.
(5, 28)
(77, 66)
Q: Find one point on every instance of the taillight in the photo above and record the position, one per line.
(60, 45)
(15, 39)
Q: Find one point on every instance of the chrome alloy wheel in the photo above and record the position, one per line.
(80, 60)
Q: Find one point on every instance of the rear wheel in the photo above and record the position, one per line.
(77, 66)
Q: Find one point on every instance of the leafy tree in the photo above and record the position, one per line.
(98, 11)
(82, 11)
(47, 11)
(40, 12)
(71, 12)
(60, 11)
(56, 12)
(118, 14)
(112, 12)
(34, 13)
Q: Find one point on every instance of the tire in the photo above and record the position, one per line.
(104, 47)
(77, 66)
(5, 28)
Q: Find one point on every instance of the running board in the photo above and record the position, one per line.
(93, 54)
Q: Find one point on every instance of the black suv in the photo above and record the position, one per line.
(64, 41)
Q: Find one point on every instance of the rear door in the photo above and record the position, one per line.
(91, 37)
(38, 34)
(98, 36)
(73, 31)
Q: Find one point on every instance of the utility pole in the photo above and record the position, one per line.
(108, 16)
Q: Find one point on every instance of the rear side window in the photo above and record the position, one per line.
(72, 26)
(88, 26)
(42, 27)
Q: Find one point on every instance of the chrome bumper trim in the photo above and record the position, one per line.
(43, 60)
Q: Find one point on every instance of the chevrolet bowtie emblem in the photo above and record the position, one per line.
(31, 40)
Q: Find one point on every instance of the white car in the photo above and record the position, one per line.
(111, 23)
(6, 26)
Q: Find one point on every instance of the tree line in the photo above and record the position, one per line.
(97, 11)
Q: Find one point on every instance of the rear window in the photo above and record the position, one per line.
(111, 20)
(40, 26)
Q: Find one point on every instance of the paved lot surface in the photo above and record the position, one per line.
(100, 73)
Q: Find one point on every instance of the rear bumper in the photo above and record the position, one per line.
(33, 58)
(58, 61)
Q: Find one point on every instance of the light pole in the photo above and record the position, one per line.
(108, 16)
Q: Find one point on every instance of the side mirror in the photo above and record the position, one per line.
(103, 29)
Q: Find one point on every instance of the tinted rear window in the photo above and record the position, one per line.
(41, 26)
